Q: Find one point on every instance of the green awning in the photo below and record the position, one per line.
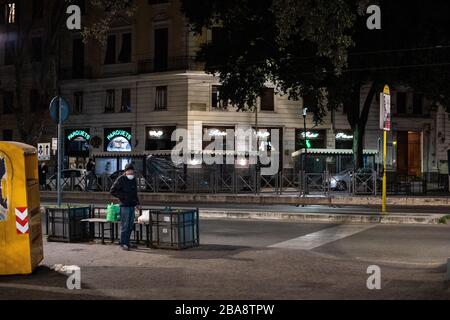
(333, 152)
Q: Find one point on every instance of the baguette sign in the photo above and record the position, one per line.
(385, 109)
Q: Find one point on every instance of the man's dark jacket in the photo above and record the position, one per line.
(126, 191)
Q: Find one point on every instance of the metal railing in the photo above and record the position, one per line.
(240, 181)
(149, 65)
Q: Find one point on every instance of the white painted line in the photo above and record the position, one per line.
(322, 237)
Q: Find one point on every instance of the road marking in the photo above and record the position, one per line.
(322, 237)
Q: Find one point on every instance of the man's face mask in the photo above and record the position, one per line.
(130, 177)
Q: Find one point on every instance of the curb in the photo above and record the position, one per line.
(262, 199)
(319, 217)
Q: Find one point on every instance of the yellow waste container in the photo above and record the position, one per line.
(20, 220)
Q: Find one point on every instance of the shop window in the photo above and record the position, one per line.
(77, 143)
(267, 100)
(344, 139)
(161, 98)
(316, 139)
(210, 134)
(78, 105)
(118, 139)
(125, 51)
(125, 105)
(110, 101)
(110, 57)
(160, 138)
(8, 102)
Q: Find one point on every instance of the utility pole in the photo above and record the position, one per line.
(385, 125)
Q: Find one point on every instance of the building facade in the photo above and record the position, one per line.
(130, 95)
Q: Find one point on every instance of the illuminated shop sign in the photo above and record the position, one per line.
(344, 136)
(118, 140)
(216, 133)
(78, 134)
(310, 135)
(119, 133)
(156, 133)
(263, 134)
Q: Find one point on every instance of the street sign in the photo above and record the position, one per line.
(385, 109)
(54, 144)
(54, 109)
(43, 151)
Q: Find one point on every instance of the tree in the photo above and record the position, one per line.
(323, 51)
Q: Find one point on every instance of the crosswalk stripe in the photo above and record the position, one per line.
(322, 237)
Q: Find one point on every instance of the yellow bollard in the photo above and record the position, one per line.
(21, 247)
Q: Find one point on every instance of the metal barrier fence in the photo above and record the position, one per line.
(252, 182)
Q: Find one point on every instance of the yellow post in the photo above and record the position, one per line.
(383, 205)
(385, 125)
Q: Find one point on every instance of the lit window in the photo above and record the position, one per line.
(11, 12)
(161, 98)
(110, 101)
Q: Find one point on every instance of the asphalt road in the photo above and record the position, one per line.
(307, 209)
(254, 260)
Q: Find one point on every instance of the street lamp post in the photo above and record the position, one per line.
(305, 110)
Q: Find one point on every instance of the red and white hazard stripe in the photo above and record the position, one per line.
(22, 221)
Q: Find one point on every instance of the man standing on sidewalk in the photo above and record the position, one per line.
(125, 189)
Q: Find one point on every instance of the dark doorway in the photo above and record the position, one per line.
(409, 157)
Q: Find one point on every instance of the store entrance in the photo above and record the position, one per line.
(409, 157)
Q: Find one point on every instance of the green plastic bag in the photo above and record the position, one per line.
(112, 212)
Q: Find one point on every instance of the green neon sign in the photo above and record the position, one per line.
(79, 133)
(119, 133)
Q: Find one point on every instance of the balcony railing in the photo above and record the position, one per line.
(169, 64)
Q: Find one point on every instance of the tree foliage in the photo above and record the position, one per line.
(323, 51)
(108, 12)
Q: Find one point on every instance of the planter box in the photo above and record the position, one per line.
(64, 224)
(174, 229)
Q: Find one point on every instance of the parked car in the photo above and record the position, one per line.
(71, 180)
(343, 180)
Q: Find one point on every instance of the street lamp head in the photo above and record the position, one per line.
(305, 110)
